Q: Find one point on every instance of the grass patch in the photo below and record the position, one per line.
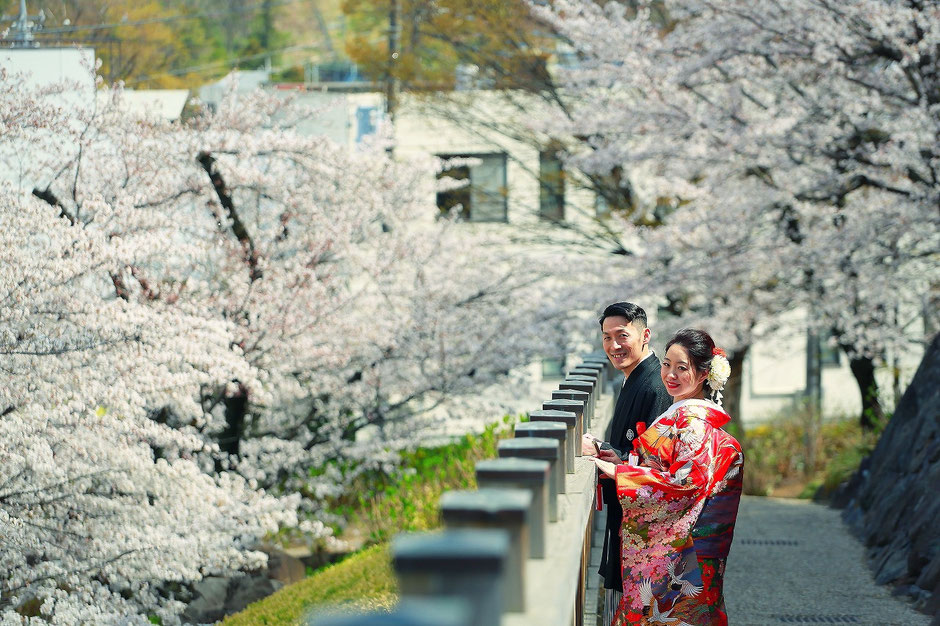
(363, 581)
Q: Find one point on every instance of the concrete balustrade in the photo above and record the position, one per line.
(531, 474)
(467, 564)
(570, 420)
(500, 561)
(574, 406)
(556, 586)
(543, 449)
(506, 509)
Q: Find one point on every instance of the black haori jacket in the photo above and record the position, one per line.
(642, 399)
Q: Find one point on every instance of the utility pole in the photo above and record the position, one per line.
(813, 398)
(267, 26)
(814, 370)
(24, 26)
(391, 79)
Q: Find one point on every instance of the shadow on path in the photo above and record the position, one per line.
(795, 562)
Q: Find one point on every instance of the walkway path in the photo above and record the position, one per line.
(795, 562)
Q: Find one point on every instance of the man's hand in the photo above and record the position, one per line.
(609, 456)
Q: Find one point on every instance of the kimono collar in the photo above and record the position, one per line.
(714, 414)
(649, 362)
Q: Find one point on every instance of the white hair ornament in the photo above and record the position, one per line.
(719, 370)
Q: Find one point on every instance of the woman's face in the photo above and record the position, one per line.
(680, 377)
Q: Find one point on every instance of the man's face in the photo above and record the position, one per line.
(624, 343)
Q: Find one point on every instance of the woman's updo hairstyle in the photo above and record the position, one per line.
(699, 345)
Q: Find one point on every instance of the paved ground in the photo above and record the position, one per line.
(794, 562)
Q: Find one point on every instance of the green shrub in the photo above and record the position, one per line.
(799, 449)
(408, 500)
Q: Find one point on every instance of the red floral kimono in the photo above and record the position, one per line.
(680, 501)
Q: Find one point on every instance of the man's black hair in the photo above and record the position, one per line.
(632, 312)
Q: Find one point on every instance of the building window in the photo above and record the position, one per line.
(366, 122)
(483, 199)
(551, 186)
(829, 352)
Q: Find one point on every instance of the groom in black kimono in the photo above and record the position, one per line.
(642, 399)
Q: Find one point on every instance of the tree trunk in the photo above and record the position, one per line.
(733, 388)
(236, 407)
(863, 368)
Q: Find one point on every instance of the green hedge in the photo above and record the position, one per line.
(804, 453)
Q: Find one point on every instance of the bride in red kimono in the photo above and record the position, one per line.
(680, 489)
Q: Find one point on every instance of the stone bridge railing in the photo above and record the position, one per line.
(514, 552)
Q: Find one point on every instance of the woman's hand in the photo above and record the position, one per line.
(606, 468)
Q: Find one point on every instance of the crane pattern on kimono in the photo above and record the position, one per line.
(676, 582)
(655, 614)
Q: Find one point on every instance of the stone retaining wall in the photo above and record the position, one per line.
(893, 501)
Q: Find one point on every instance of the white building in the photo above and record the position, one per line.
(68, 75)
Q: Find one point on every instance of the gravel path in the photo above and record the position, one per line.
(795, 562)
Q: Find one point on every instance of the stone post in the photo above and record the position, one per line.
(591, 380)
(574, 406)
(577, 390)
(600, 358)
(580, 373)
(544, 449)
(466, 563)
(600, 367)
(506, 509)
(570, 420)
(528, 474)
(553, 430)
(601, 374)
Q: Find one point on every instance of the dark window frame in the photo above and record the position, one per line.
(464, 195)
(551, 186)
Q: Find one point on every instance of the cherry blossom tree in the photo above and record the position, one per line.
(198, 313)
(351, 305)
(101, 505)
(820, 117)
